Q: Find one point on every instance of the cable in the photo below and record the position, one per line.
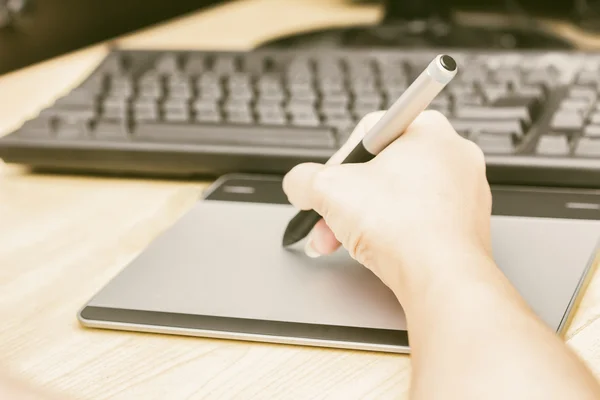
(529, 22)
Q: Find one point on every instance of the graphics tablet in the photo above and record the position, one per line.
(220, 271)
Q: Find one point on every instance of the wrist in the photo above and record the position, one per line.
(444, 271)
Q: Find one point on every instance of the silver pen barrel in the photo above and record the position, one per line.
(411, 103)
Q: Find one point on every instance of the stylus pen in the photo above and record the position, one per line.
(392, 124)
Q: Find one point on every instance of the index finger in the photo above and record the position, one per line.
(297, 182)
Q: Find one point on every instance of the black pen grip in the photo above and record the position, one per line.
(303, 222)
(359, 154)
(300, 226)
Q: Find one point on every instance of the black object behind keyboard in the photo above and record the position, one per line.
(535, 115)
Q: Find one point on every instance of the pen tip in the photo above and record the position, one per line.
(287, 242)
(289, 238)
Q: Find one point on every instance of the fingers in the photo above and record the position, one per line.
(430, 123)
(298, 185)
(321, 241)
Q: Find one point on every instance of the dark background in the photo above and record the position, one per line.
(46, 28)
(35, 30)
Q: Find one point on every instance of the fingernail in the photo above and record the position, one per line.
(310, 250)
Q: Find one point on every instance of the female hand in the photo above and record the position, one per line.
(424, 197)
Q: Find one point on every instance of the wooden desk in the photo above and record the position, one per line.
(62, 238)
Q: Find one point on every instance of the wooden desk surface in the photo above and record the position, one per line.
(62, 238)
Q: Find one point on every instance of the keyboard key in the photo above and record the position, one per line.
(581, 105)
(256, 65)
(208, 117)
(583, 92)
(41, 127)
(530, 91)
(114, 64)
(207, 79)
(225, 65)
(476, 74)
(300, 106)
(181, 90)
(271, 118)
(302, 91)
(339, 122)
(239, 79)
(78, 98)
(240, 93)
(146, 109)
(177, 115)
(305, 120)
(73, 113)
(361, 73)
(588, 78)
(237, 107)
(254, 135)
(491, 113)
(267, 107)
(368, 102)
(115, 110)
(121, 86)
(517, 104)
(175, 103)
(70, 128)
(270, 100)
(494, 144)
(203, 105)
(588, 147)
(494, 91)
(506, 75)
(360, 89)
(553, 145)
(332, 88)
(195, 65)
(469, 100)
(111, 130)
(339, 100)
(211, 92)
(240, 117)
(567, 121)
(546, 77)
(595, 118)
(167, 64)
(154, 91)
(176, 110)
(335, 111)
(360, 112)
(444, 109)
(270, 88)
(592, 131)
(494, 127)
(277, 101)
(459, 89)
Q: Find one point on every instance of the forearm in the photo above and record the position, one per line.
(472, 337)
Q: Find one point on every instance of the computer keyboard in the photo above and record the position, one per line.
(534, 114)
